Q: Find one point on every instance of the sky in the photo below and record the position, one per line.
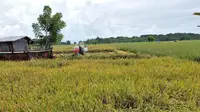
(104, 18)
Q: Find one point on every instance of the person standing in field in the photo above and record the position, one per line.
(81, 48)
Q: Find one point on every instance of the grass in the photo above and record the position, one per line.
(181, 49)
(103, 81)
(60, 48)
(157, 84)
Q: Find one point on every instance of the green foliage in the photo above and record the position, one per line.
(150, 38)
(144, 38)
(49, 27)
(68, 42)
(44, 20)
(36, 29)
(56, 26)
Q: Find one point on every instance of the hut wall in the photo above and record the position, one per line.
(20, 45)
(4, 47)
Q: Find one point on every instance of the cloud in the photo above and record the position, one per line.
(104, 18)
(11, 30)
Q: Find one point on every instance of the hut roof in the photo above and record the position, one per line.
(14, 38)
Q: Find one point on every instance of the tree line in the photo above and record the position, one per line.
(145, 38)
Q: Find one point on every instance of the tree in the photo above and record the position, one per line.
(98, 40)
(95, 42)
(150, 38)
(48, 28)
(68, 42)
(75, 43)
(144, 38)
(36, 29)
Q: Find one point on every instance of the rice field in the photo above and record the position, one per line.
(181, 49)
(106, 79)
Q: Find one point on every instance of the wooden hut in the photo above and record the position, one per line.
(14, 44)
(17, 48)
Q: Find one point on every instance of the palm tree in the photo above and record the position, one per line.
(197, 13)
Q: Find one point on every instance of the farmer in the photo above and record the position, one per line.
(81, 50)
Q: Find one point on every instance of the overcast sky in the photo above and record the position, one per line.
(104, 18)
